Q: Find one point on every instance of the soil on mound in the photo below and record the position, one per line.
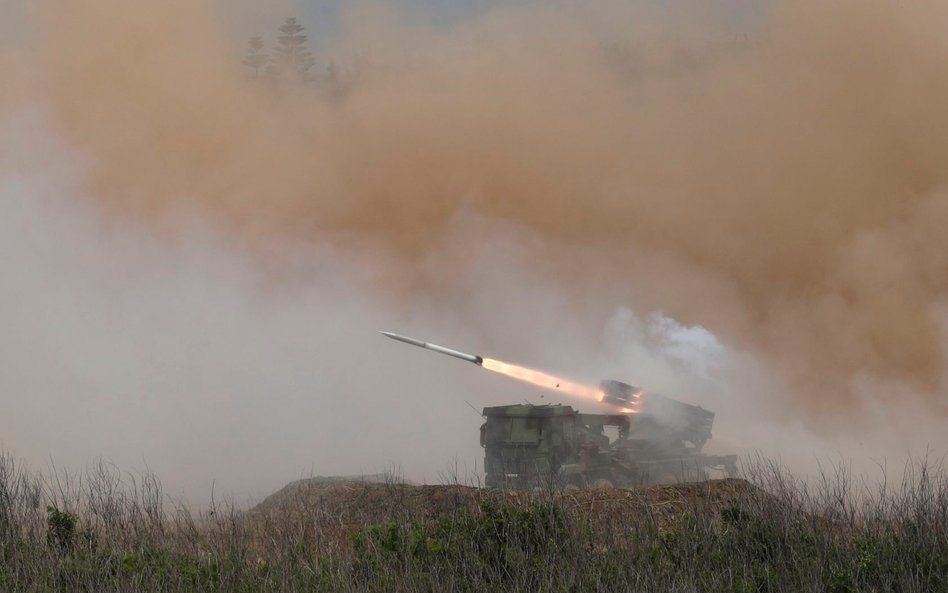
(351, 504)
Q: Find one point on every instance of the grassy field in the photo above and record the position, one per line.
(104, 531)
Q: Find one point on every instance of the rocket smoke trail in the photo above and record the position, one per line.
(525, 374)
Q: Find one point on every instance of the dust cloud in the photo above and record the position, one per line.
(743, 208)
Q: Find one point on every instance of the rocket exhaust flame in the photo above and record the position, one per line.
(542, 379)
(623, 397)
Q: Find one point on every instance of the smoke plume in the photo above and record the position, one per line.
(745, 209)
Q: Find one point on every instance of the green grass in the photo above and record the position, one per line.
(97, 533)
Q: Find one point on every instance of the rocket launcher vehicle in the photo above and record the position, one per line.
(660, 439)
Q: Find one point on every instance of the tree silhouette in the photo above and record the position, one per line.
(292, 60)
(256, 58)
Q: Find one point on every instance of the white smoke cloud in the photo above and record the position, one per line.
(185, 353)
(181, 351)
(195, 269)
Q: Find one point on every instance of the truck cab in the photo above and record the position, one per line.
(528, 446)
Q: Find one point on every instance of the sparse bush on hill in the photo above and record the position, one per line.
(777, 535)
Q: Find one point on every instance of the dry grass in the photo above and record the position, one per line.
(106, 531)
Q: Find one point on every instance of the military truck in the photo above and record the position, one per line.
(539, 446)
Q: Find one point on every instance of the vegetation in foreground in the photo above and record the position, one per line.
(100, 532)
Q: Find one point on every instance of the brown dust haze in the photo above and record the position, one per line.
(530, 180)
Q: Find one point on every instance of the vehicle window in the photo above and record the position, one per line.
(525, 430)
(497, 430)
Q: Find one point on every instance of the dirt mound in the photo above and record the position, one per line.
(665, 505)
(310, 491)
(352, 504)
(366, 501)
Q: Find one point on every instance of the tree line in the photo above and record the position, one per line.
(289, 61)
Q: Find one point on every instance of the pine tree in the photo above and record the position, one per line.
(292, 60)
(256, 58)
